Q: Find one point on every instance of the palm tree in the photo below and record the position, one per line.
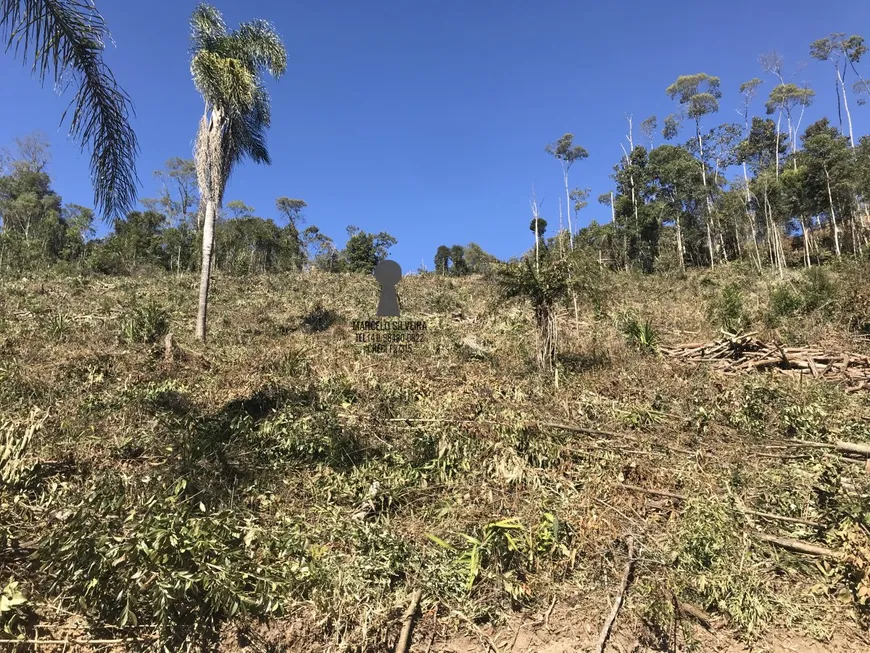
(227, 68)
(66, 38)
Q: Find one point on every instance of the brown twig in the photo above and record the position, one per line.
(549, 612)
(434, 629)
(798, 546)
(404, 642)
(626, 575)
(486, 638)
(748, 511)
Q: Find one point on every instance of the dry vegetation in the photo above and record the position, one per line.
(281, 489)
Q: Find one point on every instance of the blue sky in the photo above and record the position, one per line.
(429, 119)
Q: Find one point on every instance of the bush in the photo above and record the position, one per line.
(145, 324)
(727, 310)
(815, 291)
(158, 557)
(640, 335)
(784, 302)
(818, 290)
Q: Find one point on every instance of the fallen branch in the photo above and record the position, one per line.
(748, 511)
(586, 431)
(799, 547)
(851, 447)
(697, 613)
(486, 638)
(404, 642)
(626, 575)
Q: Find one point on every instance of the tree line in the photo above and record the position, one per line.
(760, 190)
(798, 198)
(39, 230)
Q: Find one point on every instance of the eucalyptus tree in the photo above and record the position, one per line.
(567, 154)
(292, 209)
(442, 259)
(748, 90)
(785, 98)
(836, 48)
(227, 68)
(830, 173)
(678, 189)
(65, 40)
(760, 151)
(178, 194)
(648, 127)
(699, 96)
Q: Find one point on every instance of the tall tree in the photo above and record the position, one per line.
(748, 90)
(699, 95)
(830, 173)
(178, 198)
(836, 48)
(66, 39)
(227, 68)
(442, 259)
(567, 154)
(292, 209)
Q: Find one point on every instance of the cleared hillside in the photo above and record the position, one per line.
(282, 489)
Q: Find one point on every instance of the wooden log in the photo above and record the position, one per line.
(853, 448)
(626, 576)
(798, 546)
(404, 642)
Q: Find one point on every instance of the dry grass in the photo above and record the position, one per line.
(347, 479)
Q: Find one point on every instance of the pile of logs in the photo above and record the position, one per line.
(738, 354)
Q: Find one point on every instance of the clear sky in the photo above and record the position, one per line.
(429, 119)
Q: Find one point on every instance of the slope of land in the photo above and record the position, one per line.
(280, 488)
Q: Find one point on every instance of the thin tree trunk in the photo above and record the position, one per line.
(680, 254)
(776, 152)
(750, 217)
(833, 216)
(205, 275)
(737, 240)
(706, 192)
(568, 205)
(846, 107)
(806, 243)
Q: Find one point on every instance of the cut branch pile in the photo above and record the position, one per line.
(739, 354)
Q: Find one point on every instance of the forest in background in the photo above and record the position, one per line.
(761, 190)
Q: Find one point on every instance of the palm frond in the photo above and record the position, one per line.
(259, 43)
(224, 82)
(66, 39)
(207, 28)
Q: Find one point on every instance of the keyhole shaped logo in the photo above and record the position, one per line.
(388, 274)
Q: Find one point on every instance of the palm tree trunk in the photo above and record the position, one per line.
(205, 272)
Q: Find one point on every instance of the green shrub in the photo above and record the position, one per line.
(727, 311)
(640, 335)
(818, 289)
(144, 324)
(130, 556)
(784, 302)
(714, 568)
